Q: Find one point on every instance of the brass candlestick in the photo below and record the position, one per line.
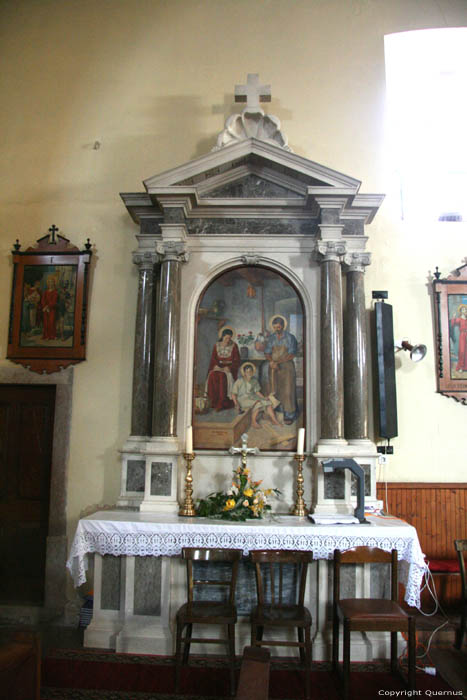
(188, 507)
(300, 508)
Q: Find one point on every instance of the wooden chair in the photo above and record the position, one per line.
(253, 683)
(369, 614)
(461, 547)
(274, 612)
(208, 612)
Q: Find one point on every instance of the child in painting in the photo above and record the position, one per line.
(246, 393)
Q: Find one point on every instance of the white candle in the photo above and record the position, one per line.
(189, 440)
(300, 441)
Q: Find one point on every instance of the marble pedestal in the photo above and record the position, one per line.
(149, 474)
(336, 492)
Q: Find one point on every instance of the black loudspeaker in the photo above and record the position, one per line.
(385, 370)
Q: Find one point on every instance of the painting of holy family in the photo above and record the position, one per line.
(249, 361)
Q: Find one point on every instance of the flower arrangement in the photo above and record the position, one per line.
(242, 501)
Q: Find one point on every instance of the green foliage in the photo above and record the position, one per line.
(243, 501)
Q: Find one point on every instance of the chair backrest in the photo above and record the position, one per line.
(461, 547)
(269, 564)
(365, 555)
(194, 554)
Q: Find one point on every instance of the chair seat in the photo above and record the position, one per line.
(293, 615)
(207, 611)
(444, 566)
(367, 608)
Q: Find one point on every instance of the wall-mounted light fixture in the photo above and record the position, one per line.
(417, 352)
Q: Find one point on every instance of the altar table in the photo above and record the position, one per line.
(124, 533)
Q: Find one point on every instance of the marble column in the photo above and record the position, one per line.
(355, 350)
(332, 365)
(164, 421)
(141, 408)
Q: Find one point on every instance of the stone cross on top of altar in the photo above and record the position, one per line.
(252, 122)
(252, 93)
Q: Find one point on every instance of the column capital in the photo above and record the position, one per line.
(356, 262)
(330, 251)
(145, 259)
(172, 251)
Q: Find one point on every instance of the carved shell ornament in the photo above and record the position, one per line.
(252, 122)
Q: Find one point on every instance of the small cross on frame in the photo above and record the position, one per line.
(53, 230)
(244, 450)
(252, 93)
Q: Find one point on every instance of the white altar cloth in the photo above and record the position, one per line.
(124, 533)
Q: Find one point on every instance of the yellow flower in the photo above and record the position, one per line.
(230, 504)
(248, 492)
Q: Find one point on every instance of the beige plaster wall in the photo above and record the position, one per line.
(152, 81)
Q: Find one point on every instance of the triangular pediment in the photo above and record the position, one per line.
(245, 157)
(251, 177)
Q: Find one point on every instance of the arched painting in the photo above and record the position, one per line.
(249, 372)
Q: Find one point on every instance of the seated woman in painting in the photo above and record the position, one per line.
(222, 372)
(246, 394)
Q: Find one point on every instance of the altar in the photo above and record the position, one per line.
(242, 327)
(139, 579)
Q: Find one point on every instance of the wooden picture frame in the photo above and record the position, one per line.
(49, 304)
(450, 301)
(240, 306)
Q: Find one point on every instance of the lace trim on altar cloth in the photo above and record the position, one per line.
(169, 543)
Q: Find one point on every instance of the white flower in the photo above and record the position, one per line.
(245, 502)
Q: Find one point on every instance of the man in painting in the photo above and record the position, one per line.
(63, 305)
(48, 306)
(246, 394)
(280, 350)
(222, 372)
(460, 321)
(32, 298)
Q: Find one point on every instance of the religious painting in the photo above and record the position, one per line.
(49, 304)
(249, 374)
(450, 297)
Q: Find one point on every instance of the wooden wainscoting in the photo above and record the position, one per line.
(439, 513)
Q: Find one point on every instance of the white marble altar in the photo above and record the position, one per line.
(139, 580)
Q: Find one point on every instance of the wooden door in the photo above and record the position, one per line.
(26, 436)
